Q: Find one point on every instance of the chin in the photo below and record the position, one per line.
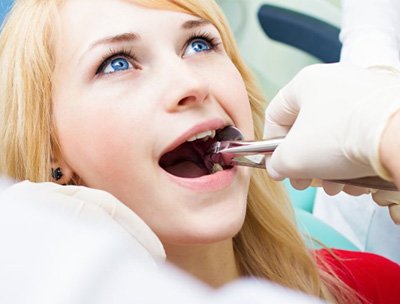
(206, 232)
(207, 218)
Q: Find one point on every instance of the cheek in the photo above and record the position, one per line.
(236, 101)
(95, 140)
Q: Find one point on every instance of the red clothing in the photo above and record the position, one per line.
(375, 278)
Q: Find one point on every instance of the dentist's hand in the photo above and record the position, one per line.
(333, 116)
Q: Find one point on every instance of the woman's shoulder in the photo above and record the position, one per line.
(374, 277)
(58, 240)
(59, 210)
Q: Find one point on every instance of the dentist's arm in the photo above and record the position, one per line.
(370, 32)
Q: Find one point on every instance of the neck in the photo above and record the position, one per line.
(213, 264)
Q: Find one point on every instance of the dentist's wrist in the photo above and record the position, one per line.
(389, 147)
(368, 121)
(370, 47)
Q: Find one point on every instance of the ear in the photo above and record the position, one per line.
(61, 172)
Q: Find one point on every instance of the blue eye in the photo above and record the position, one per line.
(116, 65)
(198, 46)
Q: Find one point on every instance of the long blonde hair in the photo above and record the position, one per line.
(268, 245)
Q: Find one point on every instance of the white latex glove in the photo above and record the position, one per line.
(332, 116)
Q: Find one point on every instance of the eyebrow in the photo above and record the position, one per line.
(125, 37)
(131, 36)
(190, 24)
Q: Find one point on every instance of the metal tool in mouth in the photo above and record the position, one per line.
(230, 150)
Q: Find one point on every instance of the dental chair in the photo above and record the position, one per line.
(277, 38)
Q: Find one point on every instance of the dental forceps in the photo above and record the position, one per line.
(252, 154)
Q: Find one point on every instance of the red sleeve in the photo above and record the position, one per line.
(375, 278)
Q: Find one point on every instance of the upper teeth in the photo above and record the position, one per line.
(203, 135)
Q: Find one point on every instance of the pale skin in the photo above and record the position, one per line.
(116, 116)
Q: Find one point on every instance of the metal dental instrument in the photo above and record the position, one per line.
(235, 152)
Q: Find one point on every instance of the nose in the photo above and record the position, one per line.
(187, 87)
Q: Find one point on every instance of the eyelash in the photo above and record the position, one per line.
(128, 53)
(114, 53)
(208, 37)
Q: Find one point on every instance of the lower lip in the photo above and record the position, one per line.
(206, 183)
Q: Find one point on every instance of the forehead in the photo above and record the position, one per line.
(83, 22)
(91, 16)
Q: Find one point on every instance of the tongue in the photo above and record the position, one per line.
(187, 169)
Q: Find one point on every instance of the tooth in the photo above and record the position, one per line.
(215, 168)
(203, 134)
(212, 134)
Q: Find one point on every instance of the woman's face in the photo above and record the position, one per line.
(132, 84)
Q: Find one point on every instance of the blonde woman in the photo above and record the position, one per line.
(125, 96)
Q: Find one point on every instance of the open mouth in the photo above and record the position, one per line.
(187, 160)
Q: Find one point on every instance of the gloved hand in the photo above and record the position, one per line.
(333, 116)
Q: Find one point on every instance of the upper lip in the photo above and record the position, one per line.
(213, 124)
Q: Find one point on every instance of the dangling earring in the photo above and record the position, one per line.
(57, 173)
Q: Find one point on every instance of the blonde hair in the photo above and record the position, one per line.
(26, 131)
(268, 245)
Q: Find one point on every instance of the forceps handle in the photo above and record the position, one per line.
(374, 182)
(251, 154)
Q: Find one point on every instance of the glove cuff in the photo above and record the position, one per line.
(387, 109)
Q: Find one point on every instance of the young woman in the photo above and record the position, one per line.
(125, 96)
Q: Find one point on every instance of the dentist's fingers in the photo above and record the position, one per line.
(300, 184)
(271, 171)
(287, 161)
(332, 188)
(390, 199)
(356, 191)
(386, 198)
(279, 118)
(281, 113)
(394, 211)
